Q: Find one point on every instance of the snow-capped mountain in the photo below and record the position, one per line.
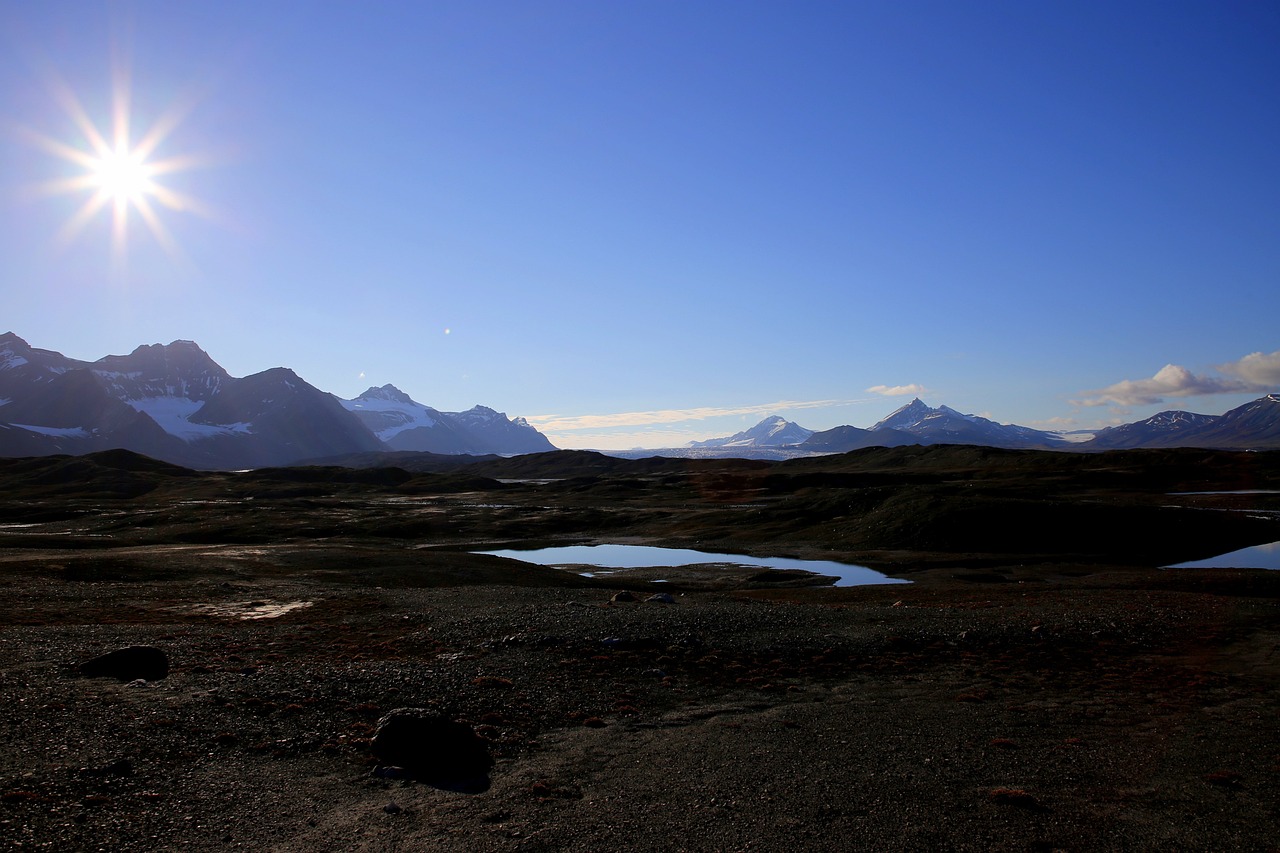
(493, 432)
(944, 425)
(773, 431)
(401, 423)
(1157, 429)
(173, 402)
(1255, 425)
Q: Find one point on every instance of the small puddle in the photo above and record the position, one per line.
(1257, 557)
(647, 556)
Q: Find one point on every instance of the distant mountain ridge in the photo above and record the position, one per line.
(1255, 425)
(175, 403)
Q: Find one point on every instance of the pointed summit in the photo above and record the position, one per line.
(387, 392)
(773, 431)
(905, 416)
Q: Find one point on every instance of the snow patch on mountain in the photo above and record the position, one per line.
(1074, 436)
(173, 414)
(55, 432)
(393, 415)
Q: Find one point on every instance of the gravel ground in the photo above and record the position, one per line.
(1107, 711)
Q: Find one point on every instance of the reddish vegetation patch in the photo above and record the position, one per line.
(1225, 779)
(1014, 797)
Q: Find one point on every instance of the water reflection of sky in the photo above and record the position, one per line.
(1257, 557)
(1234, 492)
(637, 556)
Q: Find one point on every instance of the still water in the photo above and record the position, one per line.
(1257, 557)
(637, 556)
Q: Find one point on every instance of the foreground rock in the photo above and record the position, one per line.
(128, 664)
(434, 749)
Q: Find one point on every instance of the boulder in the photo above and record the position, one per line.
(434, 749)
(128, 664)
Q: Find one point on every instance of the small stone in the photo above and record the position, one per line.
(622, 596)
(392, 808)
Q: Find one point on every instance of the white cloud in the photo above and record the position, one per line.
(1172, 380)
(562, 423)
(897, 390)
(1259, 370)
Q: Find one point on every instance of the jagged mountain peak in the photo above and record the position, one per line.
(387, 392)
(773, 431)
(906, 415)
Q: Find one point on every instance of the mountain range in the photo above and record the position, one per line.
(175, 403)
(1253, 426)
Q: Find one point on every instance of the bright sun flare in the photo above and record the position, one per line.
(118, 174)
(122, 176)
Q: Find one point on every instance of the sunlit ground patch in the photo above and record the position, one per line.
(249, 609)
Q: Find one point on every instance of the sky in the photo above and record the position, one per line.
(648, 222)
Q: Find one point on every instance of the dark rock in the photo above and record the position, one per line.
(119, 767)
(128, 664)
(661, 598)
(623, 596)
(435, 749)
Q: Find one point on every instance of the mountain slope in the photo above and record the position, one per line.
(842, 439)
(945, 425)
(492, 431)
(773, 431)
(1253, 426)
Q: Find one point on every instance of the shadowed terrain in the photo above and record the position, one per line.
(1040, 685)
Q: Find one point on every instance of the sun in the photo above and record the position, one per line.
(120, 175)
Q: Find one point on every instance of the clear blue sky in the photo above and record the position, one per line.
(659, 221)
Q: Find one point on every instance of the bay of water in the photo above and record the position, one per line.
(638, 556)
(1257, 557)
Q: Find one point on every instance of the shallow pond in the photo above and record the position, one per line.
(644, 556)
(1257, 557)
(1234, 492)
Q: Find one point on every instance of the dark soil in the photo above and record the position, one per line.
(1043, 690)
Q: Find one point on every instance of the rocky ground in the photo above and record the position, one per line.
(1001, 701)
